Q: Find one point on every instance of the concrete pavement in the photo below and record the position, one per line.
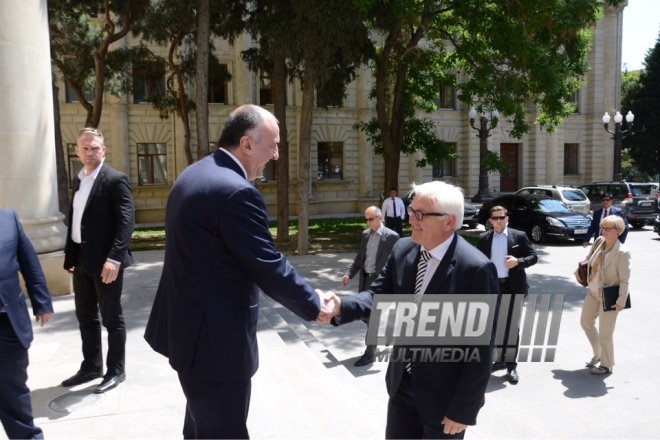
(307, 386)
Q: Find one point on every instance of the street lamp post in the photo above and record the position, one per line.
(483, 133)
(617, 135)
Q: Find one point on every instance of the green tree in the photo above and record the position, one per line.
(324, 51)
(81, 32)
(514, 54)
(643, 99)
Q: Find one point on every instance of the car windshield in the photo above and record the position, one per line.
(548, 205)
(642, 190)
(574, 195)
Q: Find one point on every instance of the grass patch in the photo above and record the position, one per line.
(326, 235)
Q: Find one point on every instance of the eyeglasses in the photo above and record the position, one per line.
(605, 200)
(419, 215)
(498, 217)
(370, 219)
(88, 130)
(607, 229)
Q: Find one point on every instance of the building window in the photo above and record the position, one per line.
(152, 164)
(270, 172)
(70, 95)
(330, 160)
(446, 98)
(148, 80)
(574, 98)
(444, 168)
(324, 100)
(219, 84)
(265, 89)
(73, 163)
(571, 155)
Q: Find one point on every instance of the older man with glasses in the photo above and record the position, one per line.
(430, 399)
(600, 214)
(511, 252)
(375, 247)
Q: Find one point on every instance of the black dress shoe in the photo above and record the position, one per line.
(512, 377)
(497, 366)
(81, 377)
(364, 360)
(110, 382)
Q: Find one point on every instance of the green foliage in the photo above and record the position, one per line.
(642, 97)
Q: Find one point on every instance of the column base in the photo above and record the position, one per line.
(58, 280)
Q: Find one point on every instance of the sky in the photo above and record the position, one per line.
(641, 23)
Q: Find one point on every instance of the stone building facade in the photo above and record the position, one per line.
(346, 175)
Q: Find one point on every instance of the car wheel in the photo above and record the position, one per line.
(637, 225)
(537, 234)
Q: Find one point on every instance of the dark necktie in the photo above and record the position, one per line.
(394, 205)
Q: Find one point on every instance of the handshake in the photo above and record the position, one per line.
(330, 306)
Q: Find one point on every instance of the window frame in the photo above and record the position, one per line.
(330, 156)
(151, 180)
(571, 159)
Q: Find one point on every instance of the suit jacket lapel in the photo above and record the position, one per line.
(489, 242)
(96, 184)
(445, 268)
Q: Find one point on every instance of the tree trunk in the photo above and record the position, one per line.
(279, 78)
(304, 143)
(202, 80)
(62, 178)
(183, 98)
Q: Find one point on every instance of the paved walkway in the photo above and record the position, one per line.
(307, 386)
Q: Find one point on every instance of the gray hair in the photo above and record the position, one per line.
(444, 198)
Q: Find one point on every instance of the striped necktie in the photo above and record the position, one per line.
(419, 281)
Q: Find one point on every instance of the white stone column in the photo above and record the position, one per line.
(28, 175)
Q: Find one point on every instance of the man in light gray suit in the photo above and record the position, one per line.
(375, 247)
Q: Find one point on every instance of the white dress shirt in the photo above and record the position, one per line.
(80, 200)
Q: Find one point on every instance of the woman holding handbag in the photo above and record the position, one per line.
(609, 265)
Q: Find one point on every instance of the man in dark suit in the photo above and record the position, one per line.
(430, 399)
(375, 247)
(96, 253)
(511, 252)
(219, 253)
(17, 254)
(599, 214)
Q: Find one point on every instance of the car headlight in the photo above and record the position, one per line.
(554, 222)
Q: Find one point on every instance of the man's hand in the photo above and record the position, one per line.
(43, 317)
(109, 272)
(452, 427)
(330, 306)
(510, 261)
(344, 280)
(585, 244)
(71, 269)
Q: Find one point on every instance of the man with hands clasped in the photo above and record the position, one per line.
(375, 247)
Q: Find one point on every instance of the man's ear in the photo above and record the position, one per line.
(245, 145)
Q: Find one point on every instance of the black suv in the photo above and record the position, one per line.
(637, 199)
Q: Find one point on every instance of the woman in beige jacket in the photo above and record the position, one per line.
(609, 265)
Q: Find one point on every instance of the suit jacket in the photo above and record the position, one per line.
(452, 389)
(519, 246)
(387, 240)
(594, 227)
(106, 225)
(219, 253)
(17, 253)
(616, 270)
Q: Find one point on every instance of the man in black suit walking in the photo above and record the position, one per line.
(511, 252)
(17, 254)
(219, 254)
(96, 253)
(599, 214)
(375, 247)
(435, 399)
